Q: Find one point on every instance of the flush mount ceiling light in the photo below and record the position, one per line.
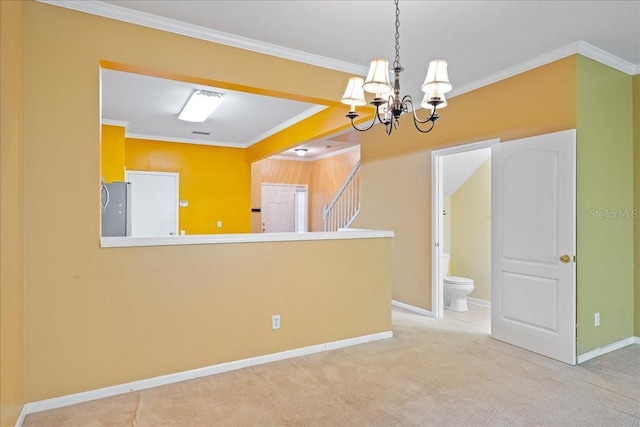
(200, 106)
(301, 151)
(389, 105)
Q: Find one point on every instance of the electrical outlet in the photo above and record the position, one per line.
(219, 224)
(275, 321)
(596, 319)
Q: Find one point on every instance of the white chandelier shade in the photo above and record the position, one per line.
(354, 94)
(378, 77)
(437, 80)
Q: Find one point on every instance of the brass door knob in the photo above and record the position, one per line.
(565, 258)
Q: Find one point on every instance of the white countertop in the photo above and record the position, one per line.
(209, 239)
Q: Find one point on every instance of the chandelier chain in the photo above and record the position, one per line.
(396, 62)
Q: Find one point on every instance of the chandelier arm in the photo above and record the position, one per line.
(373, 122)
(431, 118)
(363, 129)
(417, 124)
(407, 102)
(380, 119)
(388, 127)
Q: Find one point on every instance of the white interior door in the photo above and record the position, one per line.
(278, 208)
(154, 203)
(533, 297)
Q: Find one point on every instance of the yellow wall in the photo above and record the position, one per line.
(392, 198)
(174, 309)
(471, 231)
(98, 317)
(392, 165)
(636, 195)
(214, 180)
(509, 109)
(112, 153)
(12, 171)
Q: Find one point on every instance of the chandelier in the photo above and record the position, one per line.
(389, 105)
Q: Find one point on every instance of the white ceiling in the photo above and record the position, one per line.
(458, 167)
(150, 106)
(483, 41)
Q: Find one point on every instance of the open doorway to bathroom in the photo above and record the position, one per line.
(461, 229)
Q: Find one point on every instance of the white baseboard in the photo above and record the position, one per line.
(58, 402)
(480, 302)
(607, 349)
(21, 417)
(412, 308)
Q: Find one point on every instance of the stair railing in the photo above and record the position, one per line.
(345, 206)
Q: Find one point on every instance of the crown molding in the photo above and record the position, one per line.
(124, 14)
(183, 140)
(311, 111)
(579, 47)
(119, 123)
(292, 121)
(120, 13)
(318, 157)
(517, 69)
(127, 134)
(604, 57)
(336, 153)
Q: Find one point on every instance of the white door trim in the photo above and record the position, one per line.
(437, 204)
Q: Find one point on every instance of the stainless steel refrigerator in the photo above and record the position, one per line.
(116, 209)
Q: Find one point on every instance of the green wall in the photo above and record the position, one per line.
(605, 252)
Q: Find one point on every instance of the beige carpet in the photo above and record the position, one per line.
(432, 373)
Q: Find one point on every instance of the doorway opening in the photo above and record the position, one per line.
(461, 227)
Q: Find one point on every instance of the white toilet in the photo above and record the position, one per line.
(456, 288)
